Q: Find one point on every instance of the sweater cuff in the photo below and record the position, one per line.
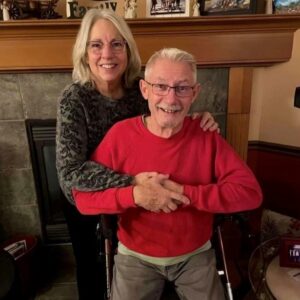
(125, 197)
(188, 191)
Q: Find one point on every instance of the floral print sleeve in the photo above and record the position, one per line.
(83, 118)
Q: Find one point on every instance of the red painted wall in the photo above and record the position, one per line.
(278, 171)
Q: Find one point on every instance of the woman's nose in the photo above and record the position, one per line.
(107, 50)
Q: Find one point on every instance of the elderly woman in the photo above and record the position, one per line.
(104, 91)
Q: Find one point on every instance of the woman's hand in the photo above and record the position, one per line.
(143, 177)
(207, 121)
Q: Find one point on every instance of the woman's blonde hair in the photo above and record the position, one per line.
(81, 69)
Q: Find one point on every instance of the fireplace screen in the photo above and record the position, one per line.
(41, 137)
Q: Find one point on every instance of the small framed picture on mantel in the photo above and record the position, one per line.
(286, 7)
(227, 7)
(167, 8)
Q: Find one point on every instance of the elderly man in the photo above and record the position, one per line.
(165, 239)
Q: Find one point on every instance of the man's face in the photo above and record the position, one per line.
(168, 111)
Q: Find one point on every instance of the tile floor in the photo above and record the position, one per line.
(58, 282)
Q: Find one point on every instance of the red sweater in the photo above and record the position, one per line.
(215, 179)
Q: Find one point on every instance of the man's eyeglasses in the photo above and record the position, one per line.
(164, 89)
(116, 46)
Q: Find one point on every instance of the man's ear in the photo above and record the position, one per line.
(144, 89)
(196, 91)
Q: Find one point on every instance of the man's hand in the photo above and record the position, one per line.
(155, 192)
(172, 186)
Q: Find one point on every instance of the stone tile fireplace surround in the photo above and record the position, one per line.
(22, 96)
(35, 66)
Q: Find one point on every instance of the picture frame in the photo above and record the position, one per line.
(289, 252)
(167, 8)
(286, 7)
(227, 7)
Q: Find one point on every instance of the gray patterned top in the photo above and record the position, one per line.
(84, 116)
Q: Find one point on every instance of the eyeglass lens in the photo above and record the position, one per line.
(115, 46)
(164, 89)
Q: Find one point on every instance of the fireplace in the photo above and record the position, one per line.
(41, 138)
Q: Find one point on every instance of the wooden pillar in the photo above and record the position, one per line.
(239, 99)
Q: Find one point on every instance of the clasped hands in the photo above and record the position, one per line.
(157, 193)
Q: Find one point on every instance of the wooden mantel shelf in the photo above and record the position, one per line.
(250, 40)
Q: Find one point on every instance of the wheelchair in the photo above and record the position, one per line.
(108, 244)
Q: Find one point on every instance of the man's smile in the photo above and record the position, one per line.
(171, 110)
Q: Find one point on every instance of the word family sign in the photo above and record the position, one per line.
(77, 11)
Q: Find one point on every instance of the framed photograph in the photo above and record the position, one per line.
(167, 8)
(286, 7)
(227, 7)
(289, 252)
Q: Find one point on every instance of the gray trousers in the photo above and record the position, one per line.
(194, 279)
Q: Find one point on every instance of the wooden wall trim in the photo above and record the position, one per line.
(222, 41)
(240, 89)
(238, 109)
(237, 133)
(273, 147)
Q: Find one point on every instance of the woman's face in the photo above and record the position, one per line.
(106, 54)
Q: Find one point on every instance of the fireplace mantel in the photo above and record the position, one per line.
(215, 40)
(238, 42)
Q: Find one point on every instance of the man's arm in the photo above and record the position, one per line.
(235, 189)
(149, 194)
(109, 201)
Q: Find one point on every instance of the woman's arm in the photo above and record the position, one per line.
(74, 168)
(150, 194)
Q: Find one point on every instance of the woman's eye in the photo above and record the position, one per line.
(96, 45)
(117, 44)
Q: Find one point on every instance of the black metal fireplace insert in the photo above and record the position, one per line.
(41, 138)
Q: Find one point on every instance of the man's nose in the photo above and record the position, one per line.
(171, 96)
